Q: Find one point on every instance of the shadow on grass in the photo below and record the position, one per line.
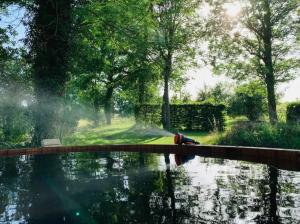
(132, 136)
(110, 135)
(128, 133)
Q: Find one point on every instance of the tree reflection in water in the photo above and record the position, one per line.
(51, 201)
(144, 188)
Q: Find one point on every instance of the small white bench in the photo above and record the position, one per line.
(51, 143)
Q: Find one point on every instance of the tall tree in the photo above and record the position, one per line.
(257, 42)
(4, 40)
(49, 42)
(114, 36)
(174, 27)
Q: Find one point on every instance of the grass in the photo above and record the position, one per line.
(124, 131)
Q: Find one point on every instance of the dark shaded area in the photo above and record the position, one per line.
(49, 42)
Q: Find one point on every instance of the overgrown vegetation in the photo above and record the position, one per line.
(262, 134)
(249, 100)
(293, 113)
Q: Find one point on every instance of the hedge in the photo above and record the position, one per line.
(200, 117)
(293, 113)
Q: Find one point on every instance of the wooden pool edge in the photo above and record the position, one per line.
(286, 159)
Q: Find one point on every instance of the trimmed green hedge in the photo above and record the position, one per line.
(293, 113)
(148, 115)
(200, 117)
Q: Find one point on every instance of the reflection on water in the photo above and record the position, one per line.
(144, 188)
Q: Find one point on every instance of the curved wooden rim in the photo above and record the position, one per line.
(281, 158)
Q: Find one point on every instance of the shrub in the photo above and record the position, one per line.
(15, 125)
(262, 135)
(293, 113)
(249, 100)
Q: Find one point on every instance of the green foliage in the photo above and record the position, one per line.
(219, 94)
(15, 116)
(282, 109)
(262, 135)
(15, 124)
(256, 43)
(249, 100)
(148, 115)
(112, 54)
(175, 25)
(242, 56)
(182, 97)
(6, 50)
(67, 120)
(293, 113)
(203, 117)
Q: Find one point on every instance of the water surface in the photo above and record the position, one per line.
(144, 188)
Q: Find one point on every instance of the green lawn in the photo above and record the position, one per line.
(123, 131)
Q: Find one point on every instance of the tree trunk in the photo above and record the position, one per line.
(108, 106)
(7, 124)
(170, 189)
(273, 184)
(141, 89)
(268, 60)
(166, 101)
(49, 44)
(46, 115)
(96, 114)
(271, 100)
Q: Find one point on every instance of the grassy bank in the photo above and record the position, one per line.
(262, 134)
(124, 131)
(238, 132)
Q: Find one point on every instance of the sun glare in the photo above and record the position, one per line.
(232, 9)
(204, 10)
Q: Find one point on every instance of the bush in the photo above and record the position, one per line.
(249, 100)
(15, 125)
(293, 113)
(262, 135)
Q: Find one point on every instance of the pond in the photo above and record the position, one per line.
(144, 188)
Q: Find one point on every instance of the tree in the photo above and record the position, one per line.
(15, 97)
(259, 43)
(114, 41)
(49, 42)
(218, 94)
(5, 51)
(15, 89)
(174, 26)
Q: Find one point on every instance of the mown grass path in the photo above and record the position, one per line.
(124, 131)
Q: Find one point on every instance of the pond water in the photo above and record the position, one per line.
(144, 188)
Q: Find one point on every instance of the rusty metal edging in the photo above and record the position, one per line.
(282, 158)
